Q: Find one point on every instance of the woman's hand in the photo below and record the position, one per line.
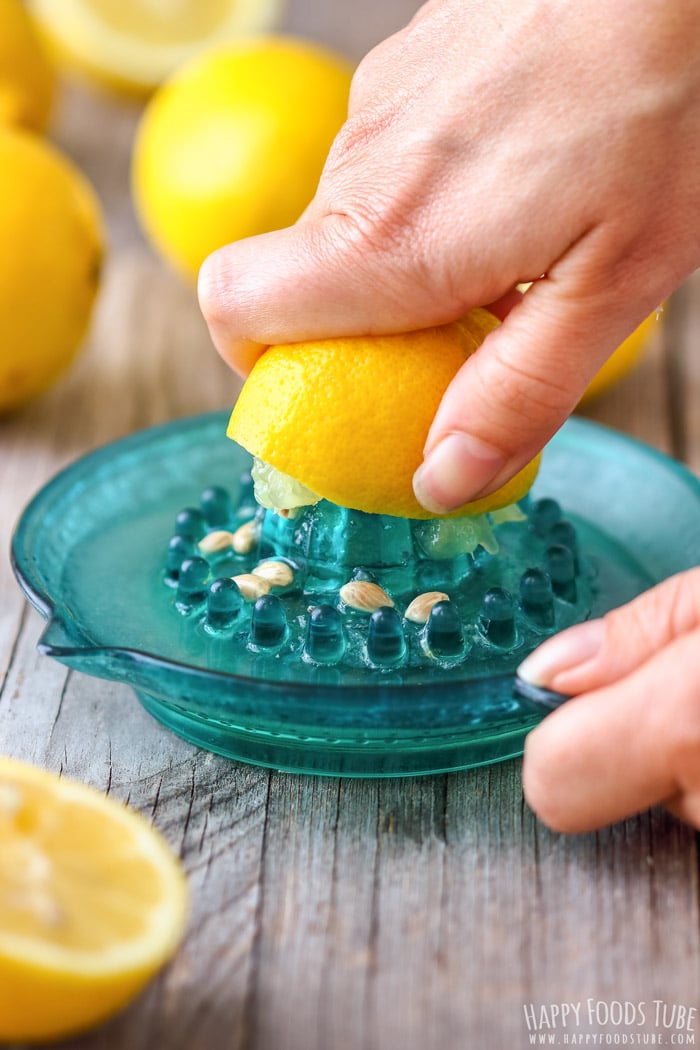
(631, 736)
(488, 144)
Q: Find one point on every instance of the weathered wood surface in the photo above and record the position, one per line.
(332, 914)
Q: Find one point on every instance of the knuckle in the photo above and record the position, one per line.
(214, 288)
(363, 82)
(372, 72)
(357, 134)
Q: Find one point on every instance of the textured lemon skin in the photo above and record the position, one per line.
(50, 223)
(27, 80)
(622, 361)
(46, 993)
(234, 145)
(349, 417)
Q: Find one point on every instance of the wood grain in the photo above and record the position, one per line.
(332, 914)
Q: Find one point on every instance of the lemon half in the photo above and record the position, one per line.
(92, 903)
(136, 44)
(348, 418)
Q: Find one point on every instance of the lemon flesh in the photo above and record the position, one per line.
(92, 903)
(278, 491)
(133, 45)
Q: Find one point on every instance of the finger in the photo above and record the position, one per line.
(599, 652)
(622, 748)
(502, 307)
(686, 807)
(322, 277)
(511, 396)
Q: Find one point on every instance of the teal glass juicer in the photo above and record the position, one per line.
(335, 641)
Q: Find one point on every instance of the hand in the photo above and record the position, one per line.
(631, 736)
(488, 144)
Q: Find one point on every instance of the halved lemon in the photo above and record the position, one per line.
(347, 418)
(92, 903)
(135, 44)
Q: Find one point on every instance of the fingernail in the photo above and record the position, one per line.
(562, 653)
(456, 470)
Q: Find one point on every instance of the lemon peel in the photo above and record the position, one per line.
(348, 418)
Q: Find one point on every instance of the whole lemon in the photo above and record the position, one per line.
(26, 76)
(51, 237)
(348, 418)
(234, 145)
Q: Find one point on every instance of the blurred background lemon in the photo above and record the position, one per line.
(234, 144)
(52, 244)
(26, 76)
(133, 45)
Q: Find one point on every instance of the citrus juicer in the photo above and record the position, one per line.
(334, 641)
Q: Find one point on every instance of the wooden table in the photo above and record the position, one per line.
(332, 914)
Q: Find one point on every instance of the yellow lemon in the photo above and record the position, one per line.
(132, 46)
(622, 361)
(234, 145)
(26, 76)
(348, 418)
(51, 237)
(92, 903)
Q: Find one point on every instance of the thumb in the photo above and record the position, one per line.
(325, 276)
(515, 392)
(630, 737)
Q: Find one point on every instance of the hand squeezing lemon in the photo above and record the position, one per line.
(346, 419)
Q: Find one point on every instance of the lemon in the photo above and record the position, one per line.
(622, 361)
(133, 45)
(92, 903)
(348, 418)
(26, 76)
(234, 145)
(51, 232)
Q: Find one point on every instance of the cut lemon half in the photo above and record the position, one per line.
(135, 44)
(348, 418)
(92, 903)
